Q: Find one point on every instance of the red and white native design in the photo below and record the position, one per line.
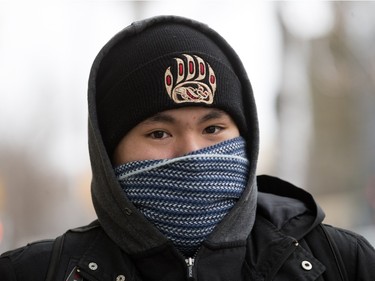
(190, 85)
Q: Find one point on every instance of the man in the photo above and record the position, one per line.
(173, 138)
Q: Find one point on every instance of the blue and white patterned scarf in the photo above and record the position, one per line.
(186, 197)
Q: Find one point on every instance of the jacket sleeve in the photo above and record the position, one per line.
(355, 252)
(26, 263)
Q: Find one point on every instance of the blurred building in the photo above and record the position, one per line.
(326, 108)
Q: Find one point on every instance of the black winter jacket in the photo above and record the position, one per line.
(273, 251)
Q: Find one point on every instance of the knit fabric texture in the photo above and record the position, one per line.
(186, 197)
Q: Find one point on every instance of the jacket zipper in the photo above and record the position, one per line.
(190, 266)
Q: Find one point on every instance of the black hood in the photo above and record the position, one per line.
(118, 216)
(290, 209)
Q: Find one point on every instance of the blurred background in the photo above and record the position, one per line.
(312, 67)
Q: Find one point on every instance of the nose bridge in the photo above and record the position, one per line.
(188, 142)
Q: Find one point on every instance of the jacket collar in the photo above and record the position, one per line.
(271, 248)
(284, 205)
(270, 252)
(104, 260)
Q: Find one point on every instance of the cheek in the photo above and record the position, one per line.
(129, 151)
(149, 152)
(235, 132)
(124, 151)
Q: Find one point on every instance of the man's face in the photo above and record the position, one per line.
(175, 132)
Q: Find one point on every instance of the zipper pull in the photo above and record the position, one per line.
(190, 265)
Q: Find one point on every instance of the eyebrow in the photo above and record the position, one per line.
(214, 113)
(160, 117)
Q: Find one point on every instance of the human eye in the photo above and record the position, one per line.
(158, 134)
(213, 129)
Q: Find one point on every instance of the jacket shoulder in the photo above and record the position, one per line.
(354, 251)
(357, 243)
(344, 253)
(32, 262)
(26, 263)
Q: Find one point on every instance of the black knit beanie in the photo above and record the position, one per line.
(164, 66)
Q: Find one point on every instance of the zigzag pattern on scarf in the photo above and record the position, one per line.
(186, 197)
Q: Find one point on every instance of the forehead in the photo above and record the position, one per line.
(197, 113)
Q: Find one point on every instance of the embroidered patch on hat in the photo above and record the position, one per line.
(194, 81)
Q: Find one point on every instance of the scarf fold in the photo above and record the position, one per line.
(186, 197)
